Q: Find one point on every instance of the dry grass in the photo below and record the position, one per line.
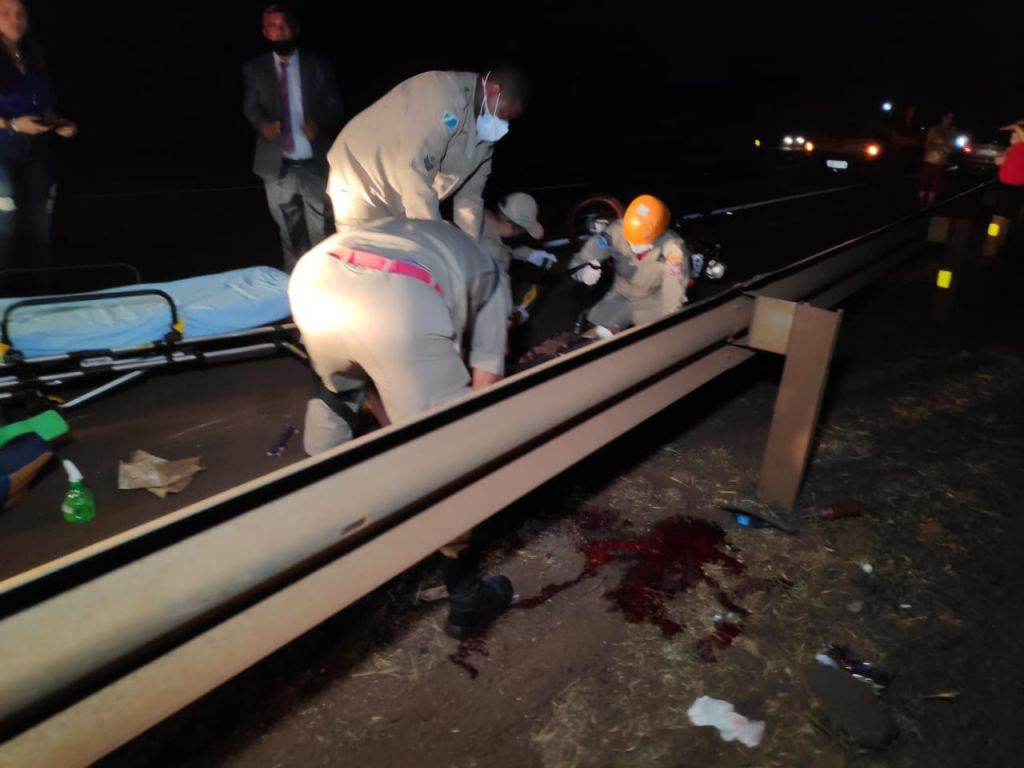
(629, 708)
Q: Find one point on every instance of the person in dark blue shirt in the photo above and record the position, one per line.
(28, 122)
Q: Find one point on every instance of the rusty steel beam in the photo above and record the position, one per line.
(812, 341)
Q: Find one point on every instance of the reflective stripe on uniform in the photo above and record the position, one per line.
(379, 263)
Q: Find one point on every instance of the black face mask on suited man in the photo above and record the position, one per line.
(283, 47)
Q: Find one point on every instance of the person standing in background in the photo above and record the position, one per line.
(938, 143)
(1009, 208)
(291, 99)
(28, 121)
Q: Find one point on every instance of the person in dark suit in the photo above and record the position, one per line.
(292, 101)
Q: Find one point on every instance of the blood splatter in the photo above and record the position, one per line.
(671, 560)
(474, 645)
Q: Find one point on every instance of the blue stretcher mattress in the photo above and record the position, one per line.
(209, 305)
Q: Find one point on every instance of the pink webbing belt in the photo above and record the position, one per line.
(377, 262)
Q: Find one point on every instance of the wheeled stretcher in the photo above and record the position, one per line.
(120, 334)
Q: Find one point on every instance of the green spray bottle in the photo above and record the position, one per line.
(79, 505)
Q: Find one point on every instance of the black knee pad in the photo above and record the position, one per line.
(344, 404)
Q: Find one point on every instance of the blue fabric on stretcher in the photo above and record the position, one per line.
(209, 305)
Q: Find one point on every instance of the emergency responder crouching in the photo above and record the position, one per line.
(651, 268)
(514, 217)
(389, 304)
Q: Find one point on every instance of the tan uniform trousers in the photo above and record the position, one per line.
(361, 324)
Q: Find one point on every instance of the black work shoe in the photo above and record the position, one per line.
(471, 610)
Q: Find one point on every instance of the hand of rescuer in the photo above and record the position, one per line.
(542, 259)
(589, 274)
(482, 378)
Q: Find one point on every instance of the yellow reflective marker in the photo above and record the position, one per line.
(757, 142)
(529, 297)
(993, 229)
(945, 278)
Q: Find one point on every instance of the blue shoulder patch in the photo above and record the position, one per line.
(450, 122)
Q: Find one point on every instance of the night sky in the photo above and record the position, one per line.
(157, 86)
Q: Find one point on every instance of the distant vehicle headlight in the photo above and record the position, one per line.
(872, 150)
(962, 141)
(799, 139)
(788, 141)
(809, 146)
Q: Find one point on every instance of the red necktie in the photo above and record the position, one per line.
(287, 140)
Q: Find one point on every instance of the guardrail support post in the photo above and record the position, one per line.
(807, 337)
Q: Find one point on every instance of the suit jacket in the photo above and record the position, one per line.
(321, 104)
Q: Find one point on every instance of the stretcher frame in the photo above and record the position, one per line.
(23, 377)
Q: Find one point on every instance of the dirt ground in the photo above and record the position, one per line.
(921, 426)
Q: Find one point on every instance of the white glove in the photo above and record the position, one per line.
(590, 274)
(520, 314)
(715, 270)
(542, 259)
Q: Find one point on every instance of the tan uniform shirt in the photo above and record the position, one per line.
(654, 285)
(499, 250)
(468, 277)
(502, 253)
(415, 146)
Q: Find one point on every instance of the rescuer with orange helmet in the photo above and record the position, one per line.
(651, 267)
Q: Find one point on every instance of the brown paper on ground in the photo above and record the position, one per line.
(175, 487)
(156, 475)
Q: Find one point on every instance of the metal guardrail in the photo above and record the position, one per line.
(102, 644)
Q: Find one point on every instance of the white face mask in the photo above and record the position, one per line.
(638, 249)
(488, 126)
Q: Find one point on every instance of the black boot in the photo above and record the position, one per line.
(473, 603)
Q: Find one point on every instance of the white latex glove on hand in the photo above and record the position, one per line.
(520, 315)
(590, 274)
(542, 259)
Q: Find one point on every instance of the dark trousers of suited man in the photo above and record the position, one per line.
(300, 207)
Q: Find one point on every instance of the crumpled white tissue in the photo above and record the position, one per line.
(731, 725)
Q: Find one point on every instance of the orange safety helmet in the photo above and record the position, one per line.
(645, 221)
